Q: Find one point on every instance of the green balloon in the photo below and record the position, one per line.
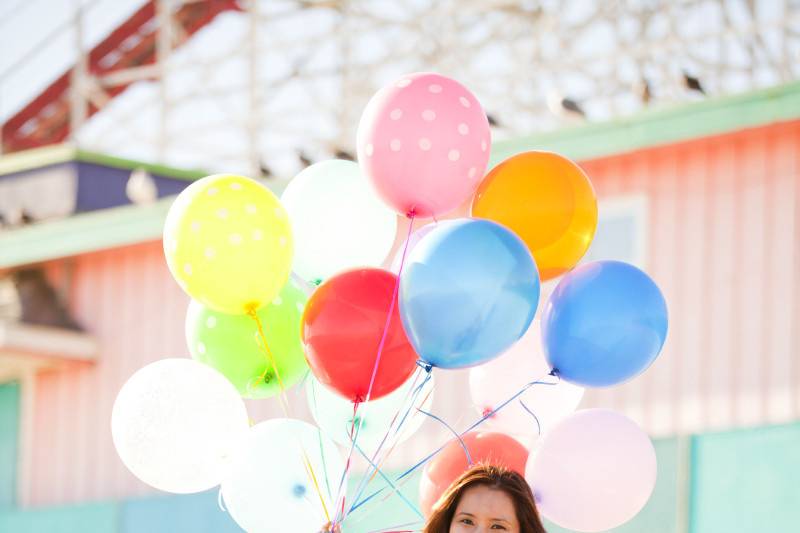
(232, 345)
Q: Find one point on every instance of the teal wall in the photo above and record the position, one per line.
(740, 482)
(746, 481)
(9, 430)
(92, 518)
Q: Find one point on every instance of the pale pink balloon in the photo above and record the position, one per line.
(412, 242)
(423, 142)
(494, 382)
(593, 471)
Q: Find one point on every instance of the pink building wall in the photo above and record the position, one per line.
(722, 221)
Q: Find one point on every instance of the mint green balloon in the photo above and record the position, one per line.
(231, 343)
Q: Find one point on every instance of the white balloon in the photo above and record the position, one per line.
(593, 471)
(175, 425)
(270, 490)
(338, 221)
(499, 379)
(334, 414)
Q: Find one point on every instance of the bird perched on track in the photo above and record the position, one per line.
(341, 153)
(305, 159)
(565, 106)
(692, 83)
(264, 170)
(643, 90)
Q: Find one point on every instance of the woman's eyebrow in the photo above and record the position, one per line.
(464, 513)
(500, 520)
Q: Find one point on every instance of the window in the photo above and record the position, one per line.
(621, 230)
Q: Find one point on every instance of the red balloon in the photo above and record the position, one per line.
(342, 328)
(484, 447)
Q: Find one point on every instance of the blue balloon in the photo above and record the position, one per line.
(468, 291)
(604, 324)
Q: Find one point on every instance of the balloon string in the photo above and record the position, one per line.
(319, 440)
(485, 417)
(538, 424)
(252, 312)
(453, 431)
(482, 420)
(368, 475)
(389, 482)
(391, 311)
(377, 358)
(310, 471)
(414, 399)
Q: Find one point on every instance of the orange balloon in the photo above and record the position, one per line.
(484, 447)
(548, 201)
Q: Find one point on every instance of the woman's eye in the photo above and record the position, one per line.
(466, 521)
(498, 526)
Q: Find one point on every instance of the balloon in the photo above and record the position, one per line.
(342, 328)
(548, 201)
(228, 243)
(413, 240)
(495, 382)
(270, 489)
(423, 141)
(175, 424)
(338, 221)
(604, 324)
(334, 414)
(593, 471)
(484, 447)
(232, 345)
(468, 292)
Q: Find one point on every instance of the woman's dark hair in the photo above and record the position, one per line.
(493, 477)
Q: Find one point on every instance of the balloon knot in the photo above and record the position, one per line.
(427, 367)
(487, 411)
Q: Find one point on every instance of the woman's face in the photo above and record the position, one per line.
(483, 509)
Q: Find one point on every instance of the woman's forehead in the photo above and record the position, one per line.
(484, 501)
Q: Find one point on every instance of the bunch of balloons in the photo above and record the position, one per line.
(461, 293)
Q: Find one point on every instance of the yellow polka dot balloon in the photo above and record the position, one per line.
(228, 243)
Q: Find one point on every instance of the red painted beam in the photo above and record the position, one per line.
(46, 118)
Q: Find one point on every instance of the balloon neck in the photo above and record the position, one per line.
(553, 373)
(487, 412)
(411, 213)
(427, 367)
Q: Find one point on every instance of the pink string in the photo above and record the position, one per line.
(391, 308)
(411, 215)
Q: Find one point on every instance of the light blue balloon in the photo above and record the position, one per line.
(468, 291)
(604, 324)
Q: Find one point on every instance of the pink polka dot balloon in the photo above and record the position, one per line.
(423, 141)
